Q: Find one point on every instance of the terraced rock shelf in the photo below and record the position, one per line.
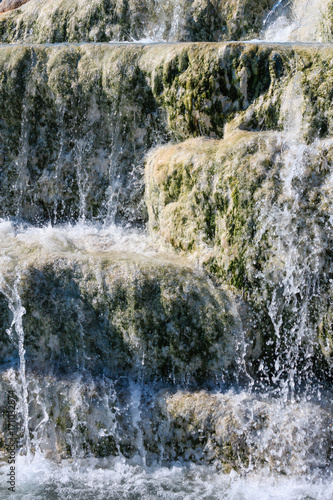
(165, 249)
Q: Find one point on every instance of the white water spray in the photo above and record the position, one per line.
(298, 20)
(16, 335)
(295, 262)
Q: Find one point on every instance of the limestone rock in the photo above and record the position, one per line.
(232, 202)
(234, 431)
(80, 416)
(60, 141)
(7, 5)
(54, 21)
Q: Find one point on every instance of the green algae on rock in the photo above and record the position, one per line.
(54, 21)
(236, 431)
(60, 136)
(122, 313)
(202, 197)
(230, 202)
(60, 139)
(94, 417)
(73, 117)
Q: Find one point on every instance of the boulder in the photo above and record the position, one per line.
(255, 209)
(7, 5)
(117, 312)
(242, 431)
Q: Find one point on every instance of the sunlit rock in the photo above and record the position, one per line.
(236, 431)
(55, 21)
(80, 416)
(255, 209)
(7, 5)
(77, 121)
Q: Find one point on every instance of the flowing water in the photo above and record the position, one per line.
(117, 479)
(132, 404)
(299, 20)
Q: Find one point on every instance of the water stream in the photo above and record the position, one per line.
(299, 20)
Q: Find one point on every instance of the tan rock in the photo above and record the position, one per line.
(7, 5)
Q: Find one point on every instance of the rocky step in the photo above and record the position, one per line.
(81, 416)
(119, 308)
(255, 209)
(54, 21)
(78, 120)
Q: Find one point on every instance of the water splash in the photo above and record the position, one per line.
(171, 21)
(135, 390)
(117, 480)
(16, 335)
(298, 20)
(296, 256)
(22, 160)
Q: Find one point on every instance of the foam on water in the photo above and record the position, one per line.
(80, 237)
(118, 479)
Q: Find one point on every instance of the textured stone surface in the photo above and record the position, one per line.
(122, 313)
(235, 204)
(7, 5)
(76, 121)
(233, 431)
(55, 21)
(80, 416)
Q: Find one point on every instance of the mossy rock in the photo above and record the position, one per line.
(122, 313)
(77, 121)
(233, 431)
(55, 21)
(231, 203)
(81, 416)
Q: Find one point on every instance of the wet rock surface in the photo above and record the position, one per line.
(228, 202)
(55, 21)
(79, 416)
(64, 155)
(210, 342)
(123, 313)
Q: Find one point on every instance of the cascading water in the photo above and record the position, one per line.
(137, 374)
(294, 284)
(16, 335)
(298, 20)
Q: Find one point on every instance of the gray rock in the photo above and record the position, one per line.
(122, 313)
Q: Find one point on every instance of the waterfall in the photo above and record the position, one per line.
(16, 335)
(166, 236)
(299, 20)
(295, 284)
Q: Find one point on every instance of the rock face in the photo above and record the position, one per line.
(123, 341)
(79, 123)
(232, 201)
(83, 416)
(64, 155)
(121, 313)
(233, 431)
(55, 21)
(7, 5)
